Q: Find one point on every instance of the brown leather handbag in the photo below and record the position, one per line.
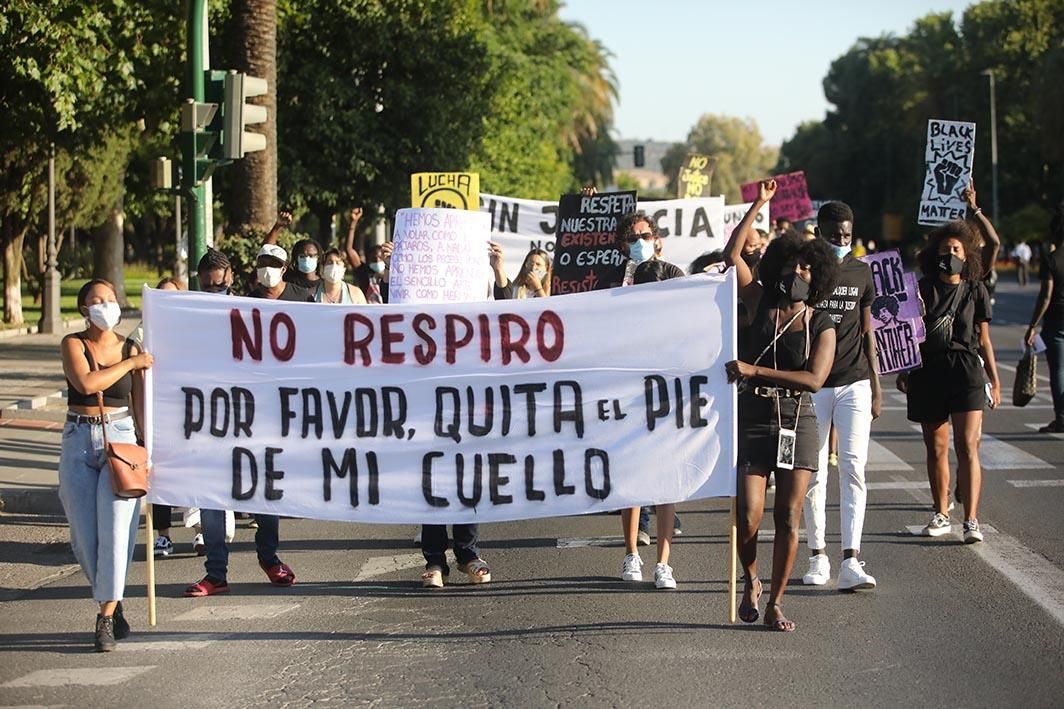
(128, 461)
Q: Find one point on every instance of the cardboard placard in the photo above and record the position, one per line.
(585, 253)
(696, 173)
(441, 256)
(896, 319)
(445, 190)
(949, 156)
(792, 197)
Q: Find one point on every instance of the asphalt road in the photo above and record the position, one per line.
(949, 624)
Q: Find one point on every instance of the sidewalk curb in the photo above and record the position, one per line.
(66, 325)
(31, 502)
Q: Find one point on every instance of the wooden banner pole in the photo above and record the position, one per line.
(149, 522)
(733, 553)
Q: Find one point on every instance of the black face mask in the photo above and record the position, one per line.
(794, 288)
(752, 259)
(950, 265)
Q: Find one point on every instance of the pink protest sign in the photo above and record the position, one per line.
(791, 200)
(896, 319)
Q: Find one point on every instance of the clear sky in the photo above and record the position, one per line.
(766, 59)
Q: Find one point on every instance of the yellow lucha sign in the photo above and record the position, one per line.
(446, 190)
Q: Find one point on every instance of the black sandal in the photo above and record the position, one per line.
(748, 610)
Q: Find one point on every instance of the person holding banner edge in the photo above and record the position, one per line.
(216, 276)
(103, 526)
(785, 355)
(850, 400)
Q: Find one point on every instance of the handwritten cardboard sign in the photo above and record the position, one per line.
(695, 176)
(441, 256)
(734, 213)
(445, 190)
(585, 253)
(896, 319)
(949, 157)
(792, 197)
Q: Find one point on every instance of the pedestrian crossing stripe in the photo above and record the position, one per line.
(881, 459)
(256, 611)
(995, 454)
(88, 676)
(1036, 483)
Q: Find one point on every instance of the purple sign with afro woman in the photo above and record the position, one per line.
(896, 319)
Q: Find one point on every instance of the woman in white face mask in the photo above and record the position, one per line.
(305, 270)
(533, 280)
(333, 288)
(102, 526)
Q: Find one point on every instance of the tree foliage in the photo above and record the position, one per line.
(869, 148)
(738, 146)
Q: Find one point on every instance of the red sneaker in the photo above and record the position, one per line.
(280, 574)
(206, 587)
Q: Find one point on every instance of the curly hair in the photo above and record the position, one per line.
(789, 248)
(627, 224)
(885, 302)
(213, 260)
(297, 251)
(959, 230)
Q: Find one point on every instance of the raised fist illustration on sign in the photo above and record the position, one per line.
(946, 175)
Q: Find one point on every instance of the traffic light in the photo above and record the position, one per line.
(639, 156)
(237, 114)
(199, 135)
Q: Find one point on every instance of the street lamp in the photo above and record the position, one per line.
(993, 143)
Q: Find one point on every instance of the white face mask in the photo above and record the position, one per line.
(269, 276)
(334, 272)
(539, 274)
(376, 266)
(105, 315)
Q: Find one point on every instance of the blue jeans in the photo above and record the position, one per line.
(103, 528)
(644, 520)
(267, 539)
(1053, 335)
(434, 544)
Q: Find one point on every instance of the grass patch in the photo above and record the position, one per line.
(135, 276)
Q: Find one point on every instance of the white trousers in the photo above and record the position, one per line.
(850, 409)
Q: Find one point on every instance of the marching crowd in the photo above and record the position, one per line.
(806, 373)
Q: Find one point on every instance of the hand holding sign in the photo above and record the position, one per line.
(946, 175)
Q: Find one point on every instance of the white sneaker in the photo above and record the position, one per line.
(633, 568)
(938, 526)
(642, 538)
(971, 532)
(819, 571)
(198, 546)
(162, 546)
(417, 539)
(852, 576)
(663, 576)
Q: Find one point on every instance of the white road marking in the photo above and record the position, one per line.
(1036, 483)
(899, 485)
(381, 565)
(1012, 368)
(94, 676)
(767, 535)
(1031, 572)
(881, 459)
(170, 643)
(1035, 426)
(238, 612)
(574, 542)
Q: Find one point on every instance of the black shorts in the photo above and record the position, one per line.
(759, 431)
(951, 384)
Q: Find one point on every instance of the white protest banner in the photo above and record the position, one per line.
(443, 413)
(734, 213)
(523, 224)
(949, 157)
(441, 255)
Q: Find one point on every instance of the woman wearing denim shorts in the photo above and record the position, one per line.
(102, 526)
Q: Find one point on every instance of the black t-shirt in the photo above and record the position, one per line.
(790, 349)
(853, 293)
(364, 274)
(291, 292)
(298, 278)
(974, 308)
(616, 275)
(1053, 267)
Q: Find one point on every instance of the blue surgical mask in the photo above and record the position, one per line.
(641, 250)
(841, 251)
(307, 264)
(376, 266)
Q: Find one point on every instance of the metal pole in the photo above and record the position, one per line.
(50, 318)
(993, 144)
(194, 89)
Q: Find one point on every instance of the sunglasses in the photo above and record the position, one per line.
(636, 236)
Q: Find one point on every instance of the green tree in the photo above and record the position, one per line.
(738, 146)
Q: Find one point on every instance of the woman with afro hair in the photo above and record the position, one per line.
(784, 354)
